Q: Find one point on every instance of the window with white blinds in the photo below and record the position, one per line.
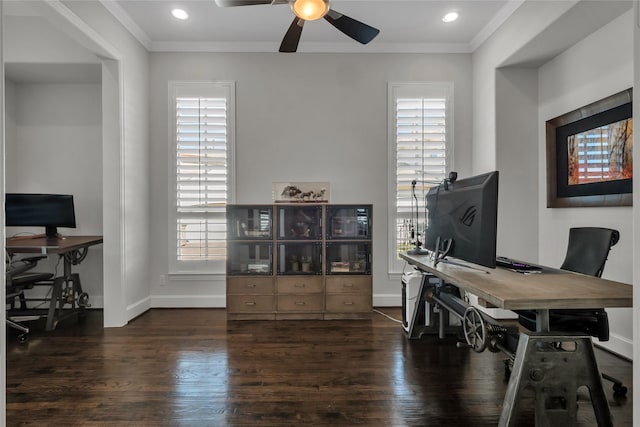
(420, 147)
(203, 141)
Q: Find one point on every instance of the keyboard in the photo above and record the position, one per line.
(515, 265)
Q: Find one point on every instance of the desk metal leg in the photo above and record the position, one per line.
(554, 374)
(65, 290)
(543, 321)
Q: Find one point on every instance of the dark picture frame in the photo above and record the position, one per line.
(566, 187)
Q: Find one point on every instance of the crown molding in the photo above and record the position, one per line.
(262, 47)
(126, 21)
(493, 25)
(310, 47)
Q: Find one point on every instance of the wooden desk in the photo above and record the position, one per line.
(45, 245)
(552, 372)
(66, 288)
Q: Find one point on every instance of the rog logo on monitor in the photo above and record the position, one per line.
(468, 216)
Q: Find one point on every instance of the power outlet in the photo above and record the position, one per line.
(163, 280)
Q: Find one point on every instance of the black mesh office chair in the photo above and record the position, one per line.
(18, 278)
(586, 253)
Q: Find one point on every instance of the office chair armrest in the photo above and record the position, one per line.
(22, 265)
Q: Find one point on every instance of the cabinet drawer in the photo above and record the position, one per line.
(250, 303)
(300, 303)
(250, 285)
(299, 284)
(349, 303)
(349, 285)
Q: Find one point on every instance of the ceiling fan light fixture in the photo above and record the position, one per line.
(310, 10)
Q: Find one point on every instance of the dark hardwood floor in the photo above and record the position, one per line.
(192, 367)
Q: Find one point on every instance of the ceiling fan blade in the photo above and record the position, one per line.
(233, 3)
(357, 30)
(291, 39)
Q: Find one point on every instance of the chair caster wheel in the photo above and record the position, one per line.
(83, 300)
(619, 390)
(23, 338)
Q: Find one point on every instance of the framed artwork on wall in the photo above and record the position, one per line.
(590, 154)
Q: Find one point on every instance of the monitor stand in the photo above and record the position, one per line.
(417, 250)
(51, 232)
(441, 252)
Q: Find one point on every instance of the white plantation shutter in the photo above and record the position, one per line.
(421, 153)
(420, 147)
(203, 116)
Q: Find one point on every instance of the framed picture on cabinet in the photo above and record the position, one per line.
(301, 192)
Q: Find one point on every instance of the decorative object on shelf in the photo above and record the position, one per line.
(305, 263)
(589, 154)
(300, 192)
(295, 266)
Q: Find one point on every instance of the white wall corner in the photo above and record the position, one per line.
(139, 307)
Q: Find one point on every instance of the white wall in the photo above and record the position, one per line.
(504, 103)
(570, 81)
(303, 117)
(125, 156)
(31, 39)
(54, 145)
(528, 21)
(516, 106)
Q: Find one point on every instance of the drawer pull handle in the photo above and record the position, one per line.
(348, 285)
(301, 303)
(348, 303)
(299, 285)
(251, 285)
(250, 303)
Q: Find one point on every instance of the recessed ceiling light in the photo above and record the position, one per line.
(450, 17)
(180, 14)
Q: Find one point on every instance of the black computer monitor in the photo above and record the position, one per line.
(462, 219)
(40, 210)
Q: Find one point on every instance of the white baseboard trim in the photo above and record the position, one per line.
(617, 344)
(136, 309)
(387, 300)
(188, 301)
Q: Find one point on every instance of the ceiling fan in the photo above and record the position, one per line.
(311, 10)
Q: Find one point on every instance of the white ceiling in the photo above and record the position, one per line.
(405, 25)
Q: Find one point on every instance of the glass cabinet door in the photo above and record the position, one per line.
(249, 222)
(348, 258)
(250, 258)
(300, 222)
(300, 258)
(349, 222)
